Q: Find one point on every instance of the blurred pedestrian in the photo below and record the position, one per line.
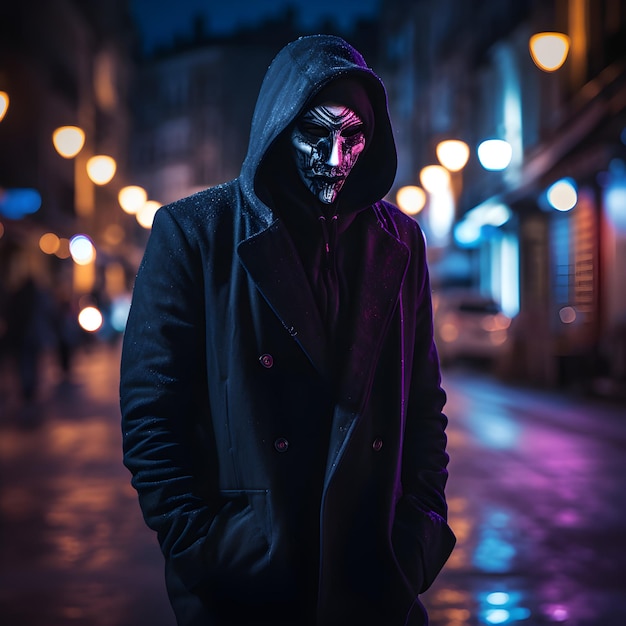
(280, 390)
(66, 327)
(27, 327)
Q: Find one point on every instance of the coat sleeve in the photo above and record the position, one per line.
(422, 538)
(161, 394)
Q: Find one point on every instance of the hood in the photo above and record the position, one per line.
(297, 74)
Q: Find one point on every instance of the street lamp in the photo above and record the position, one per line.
(562, 195)
(495, 154)
(132, 198)
(101, 169)
(4, 104)
(146, 214)
(549, 50)
(435, 178)
(453, 154)
(82, 250)
(68, 141)
(411, 199)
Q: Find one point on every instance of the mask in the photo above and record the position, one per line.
(327, 141)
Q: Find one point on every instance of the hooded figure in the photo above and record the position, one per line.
(280, 388)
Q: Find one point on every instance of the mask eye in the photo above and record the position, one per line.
(313, 130)
(351, 131)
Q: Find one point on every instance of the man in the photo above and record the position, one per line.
(280, 390)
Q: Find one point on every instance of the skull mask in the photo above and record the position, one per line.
(327, 140)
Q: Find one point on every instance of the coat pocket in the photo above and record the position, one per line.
(422, 542)
(240, 546)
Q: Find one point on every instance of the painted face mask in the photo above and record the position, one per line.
(327, 141)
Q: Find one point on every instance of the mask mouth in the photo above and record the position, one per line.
(329, 178)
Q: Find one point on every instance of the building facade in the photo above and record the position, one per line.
(463, 70)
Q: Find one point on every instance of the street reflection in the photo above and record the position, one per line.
(535, 498)
(536, 509)
(495, 550)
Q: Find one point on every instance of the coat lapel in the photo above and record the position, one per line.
(385, 260)
(273, 264)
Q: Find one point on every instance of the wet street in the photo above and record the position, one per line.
(537, 500)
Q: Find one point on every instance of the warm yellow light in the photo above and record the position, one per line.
(411, 199)
(453, 154)
(63, 251)
(113, 234)
(68, 141)
(132, 198)
(146, 214)
(90, 319)
(435, 178)
(549, 50)
(49, 243)
(4, 103)
(101, 169)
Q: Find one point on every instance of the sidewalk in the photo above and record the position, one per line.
(74, 549)
(535, 494)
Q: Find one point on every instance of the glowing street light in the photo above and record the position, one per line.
(90, 319)
(549, 50)
(146, 214)
(495, 154)
(82, 250)
(49, 243)
(101, 169)
(132, 198)
(68, 141)
(453, 154)
(4, 104)
(562, 195)
(411, 199)
(435, 178)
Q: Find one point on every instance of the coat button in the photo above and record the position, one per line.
(281, 444)
(377, 444)
(266, 360)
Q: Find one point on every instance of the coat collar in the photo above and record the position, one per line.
(274, 266)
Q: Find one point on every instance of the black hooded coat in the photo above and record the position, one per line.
(290, 479)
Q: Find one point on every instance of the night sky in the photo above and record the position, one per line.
(160, 20)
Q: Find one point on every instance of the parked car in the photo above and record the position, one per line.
(469, 325)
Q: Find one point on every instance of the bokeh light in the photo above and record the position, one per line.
(101, 169)
(497, 616)
(435, 178)
(64, 249)
(49, 243)
(90, 319)
(132, 198)
(146, 214)
(113, 234)
(453, 154)
(498, 598)
(549, 50)
(562, 195)
(411, 199)
(4, 104)
(82, 250)
(567, 315)
(68, 141)
(17, 203)
(495, 154)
